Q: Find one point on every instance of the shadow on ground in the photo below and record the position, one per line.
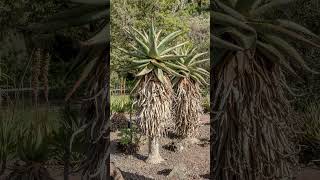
(205, 176)
(164, 172)
(140, 157)
(134, 176)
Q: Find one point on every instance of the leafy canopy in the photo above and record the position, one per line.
(189, 65)
(152, 55)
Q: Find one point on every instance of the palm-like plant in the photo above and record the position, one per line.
(188, 96)
(33, 150)
(250, 111)
(93, 62)
(153, 89)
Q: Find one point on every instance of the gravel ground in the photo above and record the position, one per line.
(195, 157)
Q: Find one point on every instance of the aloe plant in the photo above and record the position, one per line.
(68, 124)
(250, 110)
(188, 91)
(93, 63)
(32, 149)
(8, 139)
(153, 89)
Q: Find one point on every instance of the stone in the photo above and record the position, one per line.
(115, 172)
(179, 172)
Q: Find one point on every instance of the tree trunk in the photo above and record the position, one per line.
(250, 121)
(154, 154)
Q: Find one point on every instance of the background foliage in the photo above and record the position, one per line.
(168, 15)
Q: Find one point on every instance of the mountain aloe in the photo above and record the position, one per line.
(153, 89)
(187, 88)
(250, 111)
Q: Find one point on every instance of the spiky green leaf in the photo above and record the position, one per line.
(220, 43)
(266, 28)
(164, 42)
(296, 27)
(274, 55)
(172, 48)
(289, 50)
(145, 70)
(230, 11)
(223, 19)
(160, 75)
(272, 4)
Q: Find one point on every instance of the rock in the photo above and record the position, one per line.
(115, 172)
(179, 172)
(192, 141)
(180, 147)
(175, 146)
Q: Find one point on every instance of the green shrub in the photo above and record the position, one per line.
(129, 140)
(33, 147)
(206, 104)
(69, 123)
(129, 136)
(121, 104)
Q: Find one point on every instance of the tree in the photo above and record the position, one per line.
(188, 105)
(250, 111)
(153, 92)
(170, 15)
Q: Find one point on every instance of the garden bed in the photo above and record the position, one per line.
(196, 158)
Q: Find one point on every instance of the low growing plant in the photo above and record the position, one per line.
(129, 140)
(119, 106)
(206, 104)
(7, 138)
(310, 140)
(69, 123)
(32, 149)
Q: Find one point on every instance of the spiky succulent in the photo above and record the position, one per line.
(84, 12)
(187, 91)
(188, 66)
(240, 25)
(152, 55)
(92, 60)
(251, 112)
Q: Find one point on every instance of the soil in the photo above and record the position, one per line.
(195, 157)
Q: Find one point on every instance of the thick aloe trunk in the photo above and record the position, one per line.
(250, 121)
(154, 154)
(188, 109)
(154, 102)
